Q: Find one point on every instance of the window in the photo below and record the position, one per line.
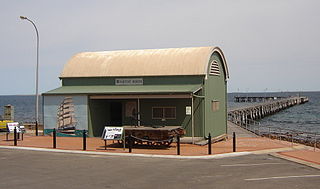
(157, 113)
(169, 113)
(214, 68)
(215, 105)
(163, 112)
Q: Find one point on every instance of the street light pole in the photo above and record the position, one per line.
(37, 73)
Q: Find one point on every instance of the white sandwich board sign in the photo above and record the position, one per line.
(13, 125)
(112, 133)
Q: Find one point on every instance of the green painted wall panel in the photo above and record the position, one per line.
(215, 89)
(159, 80)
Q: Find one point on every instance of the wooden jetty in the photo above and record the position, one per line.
(245, 115)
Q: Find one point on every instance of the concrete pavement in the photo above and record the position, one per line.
(247, 143)
(30, 169)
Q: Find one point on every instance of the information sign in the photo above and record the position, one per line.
(129, 81)
(112, 133)
(11, 126)
(188, 110)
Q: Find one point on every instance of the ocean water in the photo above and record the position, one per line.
(24, 107)
(303, 117)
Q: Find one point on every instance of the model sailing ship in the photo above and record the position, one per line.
(66, 121)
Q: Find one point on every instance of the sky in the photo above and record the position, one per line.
(270, 45)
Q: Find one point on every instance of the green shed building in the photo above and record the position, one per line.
(173, 87)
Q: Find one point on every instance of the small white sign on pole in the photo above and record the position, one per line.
(13, 125)
(112, 133)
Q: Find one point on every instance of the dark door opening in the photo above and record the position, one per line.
(116, 113)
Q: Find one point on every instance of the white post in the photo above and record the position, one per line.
(124, 139)
(315, 142)
(139, 124)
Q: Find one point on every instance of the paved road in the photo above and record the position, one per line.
(29, 169)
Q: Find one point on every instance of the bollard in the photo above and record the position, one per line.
(178, 144)
(280, 134)
(315, 142)
(54, 138)
(84, 140)
(130, 143)
(105, 144)
(36, 128)
(246, 126)
(234, 142)
(269, 132)
(209, 144)
(15, 136)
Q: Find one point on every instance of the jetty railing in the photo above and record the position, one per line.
(257, 98)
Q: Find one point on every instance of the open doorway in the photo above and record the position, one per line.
(116, 113)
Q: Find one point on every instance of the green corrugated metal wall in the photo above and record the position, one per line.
(215, 89)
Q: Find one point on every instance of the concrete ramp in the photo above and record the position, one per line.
(240, 132)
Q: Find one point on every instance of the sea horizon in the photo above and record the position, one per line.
(300, 117)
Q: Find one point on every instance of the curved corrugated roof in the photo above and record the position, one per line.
(150, 62)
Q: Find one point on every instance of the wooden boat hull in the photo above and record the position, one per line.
(153, 135)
